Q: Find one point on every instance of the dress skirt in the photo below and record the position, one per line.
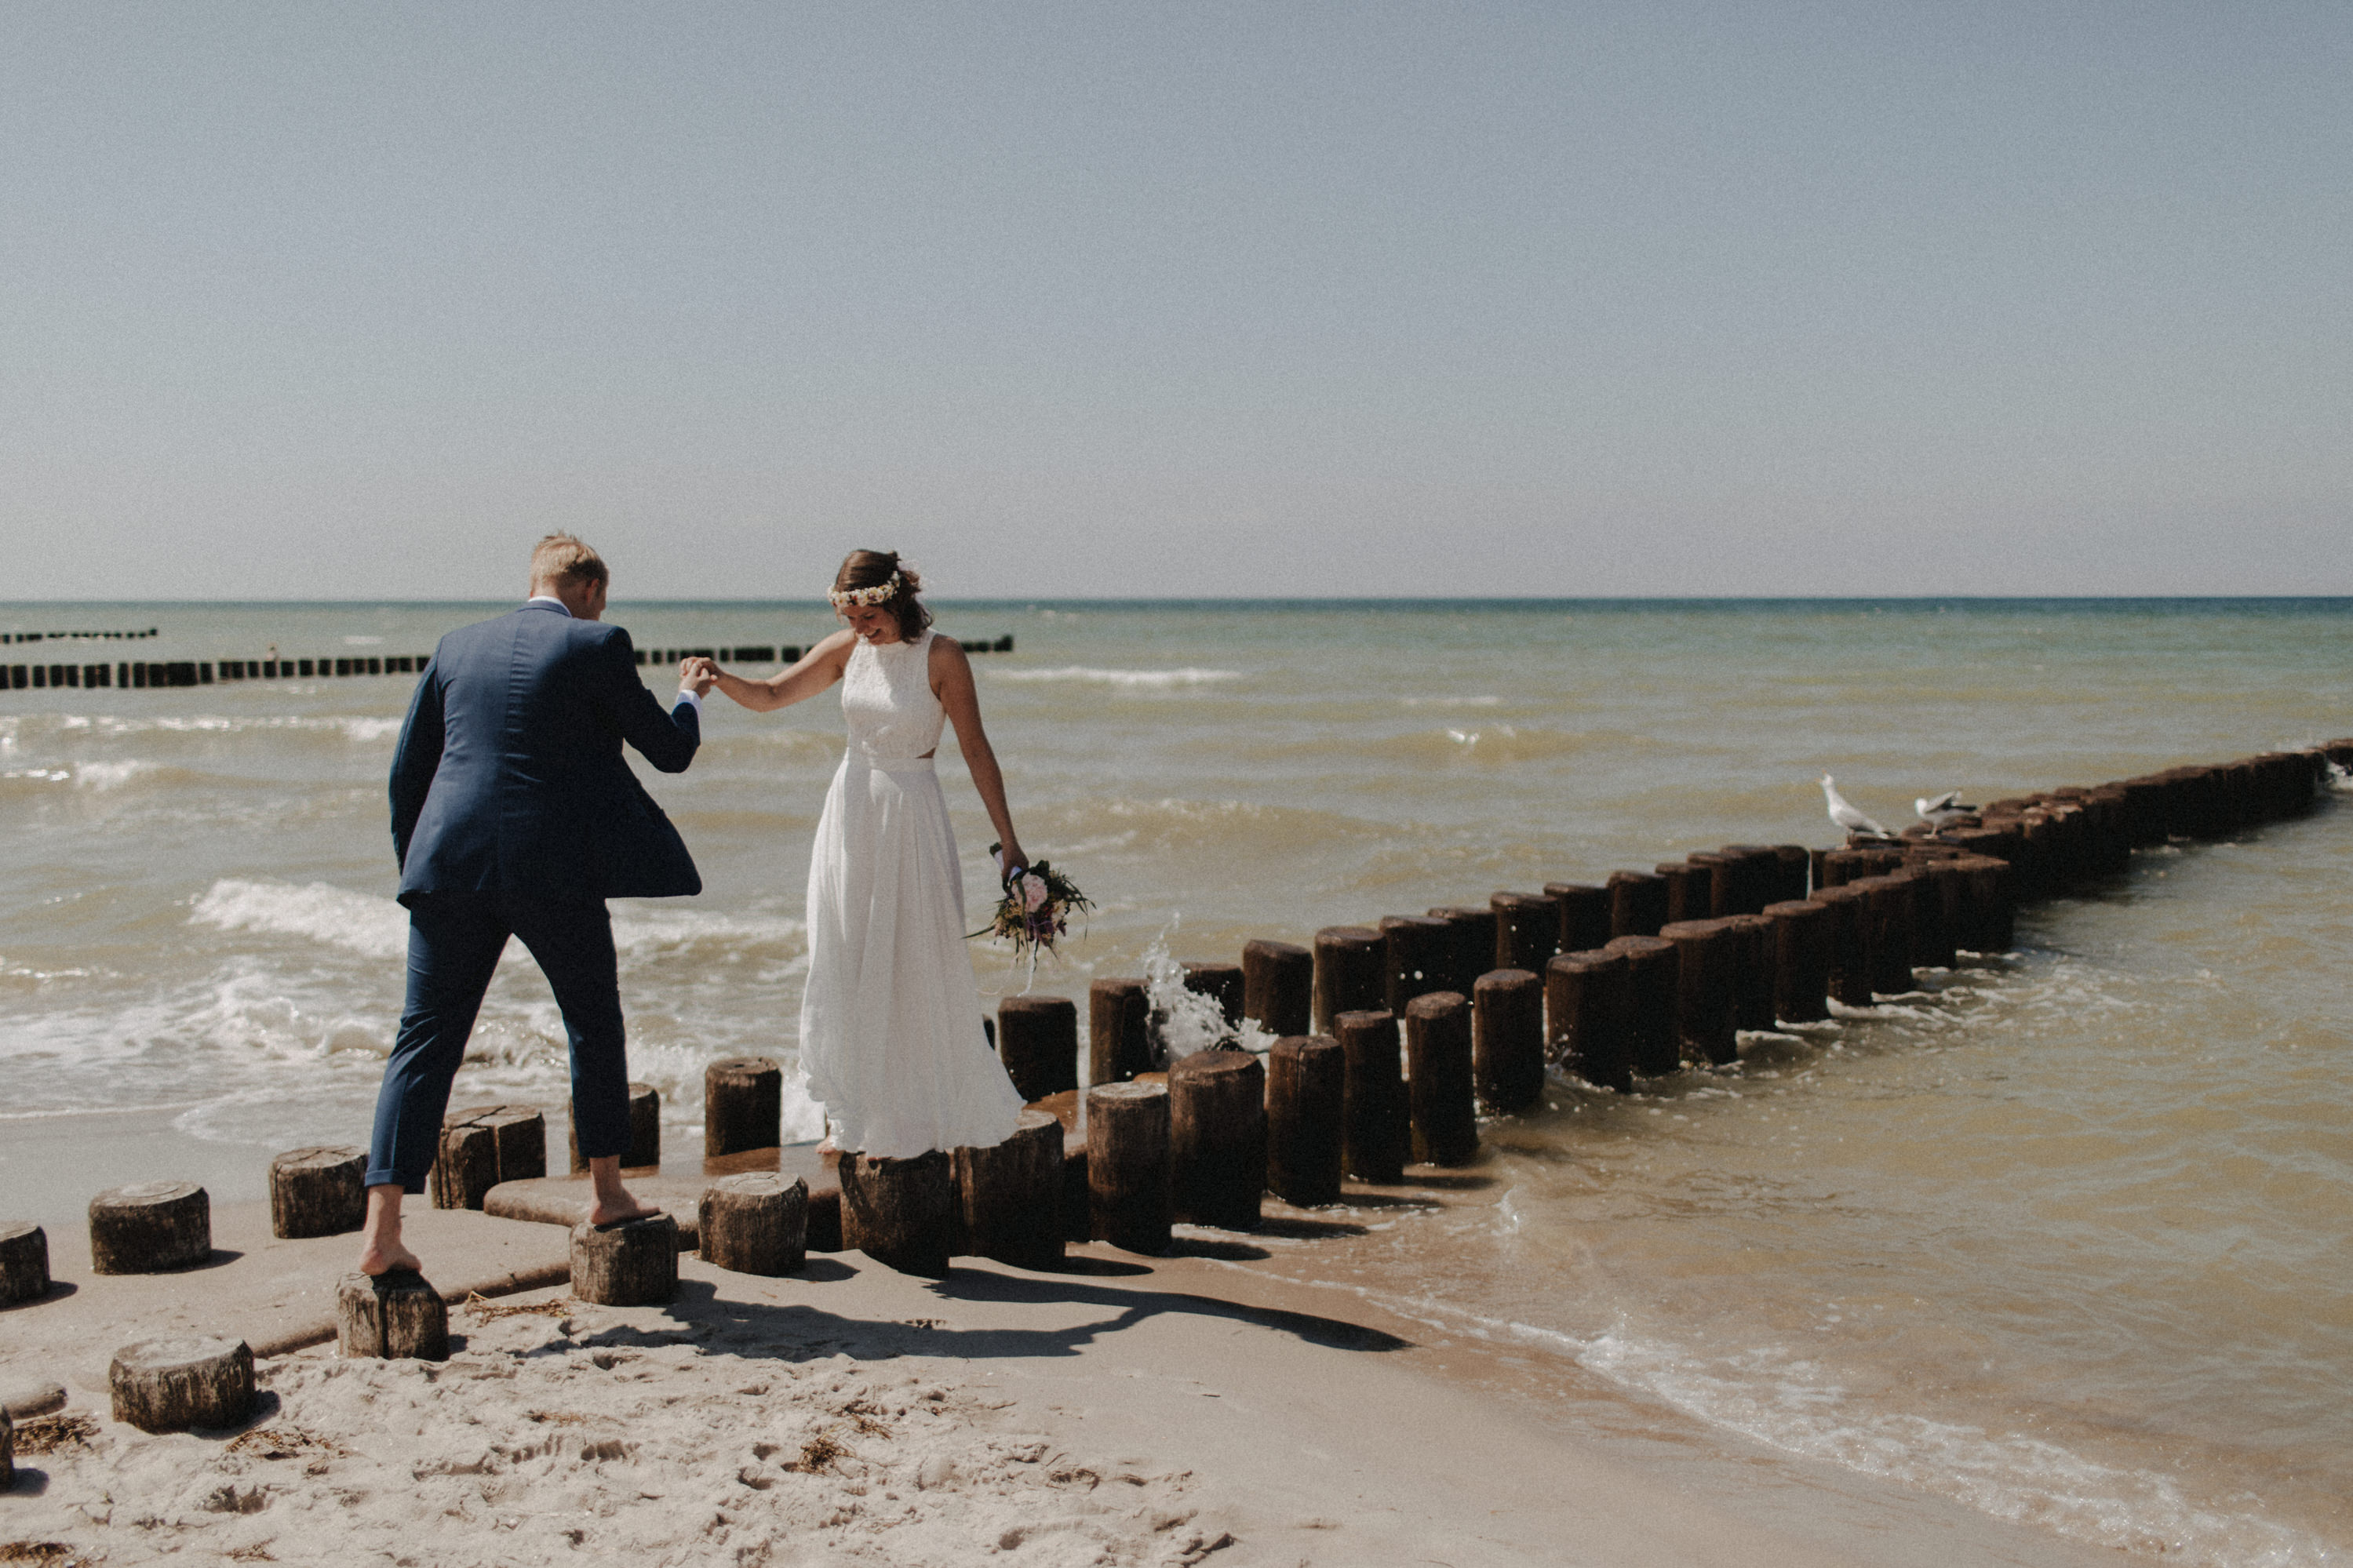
(891, 1021)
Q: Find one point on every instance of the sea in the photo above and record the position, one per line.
(2066, 1236)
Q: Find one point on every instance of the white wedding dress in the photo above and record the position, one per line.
(890, 1035)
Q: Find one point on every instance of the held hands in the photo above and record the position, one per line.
(697, 675)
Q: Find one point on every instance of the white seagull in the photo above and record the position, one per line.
(1846, 815)
(1945, 808)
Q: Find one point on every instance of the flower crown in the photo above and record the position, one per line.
(880, 593)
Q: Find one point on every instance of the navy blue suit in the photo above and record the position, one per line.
(514, 813)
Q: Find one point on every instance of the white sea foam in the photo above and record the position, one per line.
(318, 911)
(1127, 680)
(108, 775)
(1452, 701)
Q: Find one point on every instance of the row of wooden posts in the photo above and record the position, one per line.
(1390, 1037)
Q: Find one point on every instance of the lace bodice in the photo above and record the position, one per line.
(887, 701)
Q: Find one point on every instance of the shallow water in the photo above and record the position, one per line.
(2063, 1236)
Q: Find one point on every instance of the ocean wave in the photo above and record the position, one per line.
(1452, 701)
(1125, 679)
(315, 912)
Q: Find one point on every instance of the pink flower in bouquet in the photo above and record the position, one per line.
(1033, 890)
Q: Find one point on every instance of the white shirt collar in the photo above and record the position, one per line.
(551, 600)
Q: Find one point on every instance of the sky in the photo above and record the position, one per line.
(1262, 300)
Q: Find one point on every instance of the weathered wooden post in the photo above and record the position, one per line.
(1703, 1000)
(1279, 986)
(148, 1228)
(1351, 972)
(392, 1316)
(1475, 940)
(186, 1380)
(1584, 914)
(317, 1192)
(1940, 888)
(1989, 919)
(634, 1264)
(902, 1212)
(1373, 1111)
(753, 1222)
(1887, 906)
(1128, 1194)
(24, 1263)
(1653, 979)
(1850, 942)
(742, 1105)
(1306, 1087)
(1691, 889)
(1119, 1030)
(1419, 957)
(484, 1146)
(1217, 1139)
(1638, 904)
(1793, 864)
(1527, 931)
(1752, 971)
(1011, 1195)
(644, 1152)
(1438, 1047)
(1507, 1038)
(1038, 1041)
(1754, 872)
(1801, 960)
(1585, 1019)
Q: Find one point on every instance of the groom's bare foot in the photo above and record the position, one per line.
(384, 1256)
(618, 1210)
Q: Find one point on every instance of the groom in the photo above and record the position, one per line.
(514, 815)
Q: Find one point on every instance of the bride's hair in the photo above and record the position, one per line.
(871, 569)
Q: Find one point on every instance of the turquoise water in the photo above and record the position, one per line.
(2063, 1236)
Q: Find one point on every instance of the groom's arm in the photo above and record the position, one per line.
(416, 760)
(668, 738)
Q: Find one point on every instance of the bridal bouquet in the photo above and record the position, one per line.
(1036, 909)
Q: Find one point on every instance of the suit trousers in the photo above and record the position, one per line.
(454, 943)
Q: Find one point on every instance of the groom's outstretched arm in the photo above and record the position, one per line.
(668, 738)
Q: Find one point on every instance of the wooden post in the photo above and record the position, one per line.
(1306, 1085)
(1438, 1079)
(1887, 913)
(148, 1228)
(1638, 904)
(1793, 866)
(186, 1380)
(1704, 998)
(1119, 1025)
(317, 1192)
(645, 1129)
(1584, 914)
(1351, 972)
(1586, 1017)
(1038, 1040)
(392, 1316)
(1127, 1165)
(1279, 986)
(1755, 869)
(631, 1265)
(1691, 889)
(1801, 960)
(1217, 1139)
(1507, 1040)
(1373, 1110)
(1527, 931)
(753, 1222)
(1222, 982)
(24, 1263)
(1419, 957)
(1654, 977)
(1475, 940)
(1752, 971)
(1940, 891)
(1850, 942)
(1009, 1194)
(742, 1105)
(1991, 915)
(484, 1146)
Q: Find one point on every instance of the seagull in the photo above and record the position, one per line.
(1945, 808)
(1846, 815)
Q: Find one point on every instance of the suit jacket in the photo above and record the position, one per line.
(510, 778)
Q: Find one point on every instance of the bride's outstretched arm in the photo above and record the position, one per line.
(952, 681)
(819, 668)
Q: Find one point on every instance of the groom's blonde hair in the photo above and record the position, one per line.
(563, 558)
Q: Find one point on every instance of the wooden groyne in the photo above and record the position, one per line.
(1398, 1033)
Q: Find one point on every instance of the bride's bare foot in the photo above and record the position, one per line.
(384, 1256)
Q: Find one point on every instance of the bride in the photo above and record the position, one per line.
(891, 1021)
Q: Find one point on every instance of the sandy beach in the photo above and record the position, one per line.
(1124, 1410)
